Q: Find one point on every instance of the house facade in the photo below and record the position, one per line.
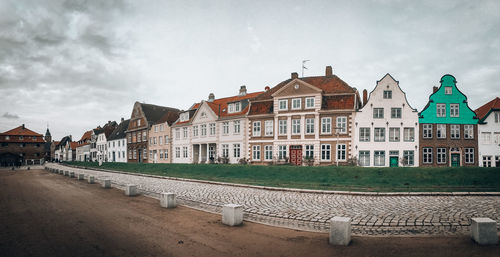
(489, 133)
(83, 148)
(21, 146)
(213, 130)
(303, 120)
(448, 128)
(117, 143)
(142, 118)
(160, 139)
(386, 128)
(102, 140)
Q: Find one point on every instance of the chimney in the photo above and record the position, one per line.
(328, 71)
(22, 126)
(295, 75)
(122, 119)
(243, 90)
(109, 122)
(267, 88)
(211, 97)
(365, 97)
(434, 89)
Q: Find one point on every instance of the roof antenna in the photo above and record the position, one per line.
(304, 66)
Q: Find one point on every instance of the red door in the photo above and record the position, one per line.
(296, 155)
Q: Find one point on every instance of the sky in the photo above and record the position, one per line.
(72, 65)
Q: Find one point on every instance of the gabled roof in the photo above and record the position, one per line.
(191, 111)
(169, 118)
(86, 136)
(73, 145)
(154, 113)
(119, 131)
(220, 106)
(483, 111)
(21, 131)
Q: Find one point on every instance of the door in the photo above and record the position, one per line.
(393, 161)
(455, 160)
(139, 155)
(296, 155)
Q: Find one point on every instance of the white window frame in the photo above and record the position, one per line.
(426, 131)
(379, 135)
(469, 155)
(341, 125)
(394, 134)
(309, 102)
(225, 150)
(236, 150)
(236, 127)
(387, 94)
(309, 126)
(468, 131)
(282, 126)
(184, 133)
(441, 155)
(448, 90)
(282, 152)
(268, 152)
(364, 134)
(427, 155)
(256, 129)
(203, 128)
(225, 128)
(296, 126)
(364, 158)
(455, 110)
(268, 127)
(195, 131)
(440, 110)
(283, 104)
(379, 158)
(378, 113)
(326, 125)
(396, 113)
(296, 100)
(440, 130)
(455, 131)
(341, 153)
(212, 128)
(185, 152)
(309, 151)
(237, 107)
(409, 134)
(326, 152)
(410, 157)
(256, 152)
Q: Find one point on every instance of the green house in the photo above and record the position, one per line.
(448, 128)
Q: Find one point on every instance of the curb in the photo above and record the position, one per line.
(296, 190)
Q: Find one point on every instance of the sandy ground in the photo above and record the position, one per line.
(43, 214)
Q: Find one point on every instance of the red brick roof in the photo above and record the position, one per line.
(338, 102)
(220, 106)
(261, 107)
(74, 145)
(21, 131)
(86, 135)
(483, 111)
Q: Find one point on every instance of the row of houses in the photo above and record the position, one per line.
(318, 120)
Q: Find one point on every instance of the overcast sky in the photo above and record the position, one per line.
(77, 64)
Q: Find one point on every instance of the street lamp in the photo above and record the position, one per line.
(337, 129)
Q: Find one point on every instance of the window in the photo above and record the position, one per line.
(129, 154)
(441, 110)
(150, 140)
(309, 151)
(268, 124)
(225, 128)
(379, 135)
(469, 155)
(497, 117)
(256, 152)
(256, 129)
(326, 125)
(341, 152)
(408, 158)
(396, 113)
(409, 134)
(144, 136)
(378, 113)
(212, 129)
(454, 110)
(185, 132)
(203, 130)
(364, 158)
(162, 127)
(177, 152)
(325, 152)
(364, 134)
(195, 132)
(156, 128)
(296, 103)
(341, 125)
(145, 154)
(427, 130)
(225, 150)
(283, 104)
(468, 131)
(129, 138)
(166, 153)
(379, 158)
(394, 134)
(441, 155)
(281, 152)
(427, 158)
(282, 127)
(310, 102)
(486, 137)
(441, 130)
(447, 90)
(237, 107)
(295, 126)
(268, 152)
(161, 154)
(387, 94)
(455, 131)
(135, 154)
(184, 152)
(236, 126)
(154, 140)
(236, 150)
(138, 124)
(230, 108)
(486, 161)
(310, 126)
(184, 116)
(166, 140)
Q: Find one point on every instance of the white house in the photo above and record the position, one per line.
(489, 133)
(386, 128)
(117, 143)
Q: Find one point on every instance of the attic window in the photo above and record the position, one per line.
(387, 94)
(234, 107)
(447, 90)
(203, 115)
(184, 116)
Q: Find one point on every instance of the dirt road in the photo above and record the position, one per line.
(43, 214)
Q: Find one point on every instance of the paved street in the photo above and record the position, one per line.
(371, 215)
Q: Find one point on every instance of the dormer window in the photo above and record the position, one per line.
(184, 116)
(387, 94)
(448, 90)
(237, 107)
(234, 107)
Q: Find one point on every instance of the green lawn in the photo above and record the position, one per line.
(327, 177)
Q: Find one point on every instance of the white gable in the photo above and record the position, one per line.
(204, 114)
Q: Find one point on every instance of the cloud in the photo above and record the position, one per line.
(10, 116)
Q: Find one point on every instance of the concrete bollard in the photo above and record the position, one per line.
(81, 176)
(167, 200)
(340, 231)
(61, 172)
(72, 174)
(66, 173)
(91, 179)
(484, 231)
(106, 183)
(232, 214)
(130, 190)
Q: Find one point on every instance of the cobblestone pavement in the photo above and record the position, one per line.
(371, 215)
